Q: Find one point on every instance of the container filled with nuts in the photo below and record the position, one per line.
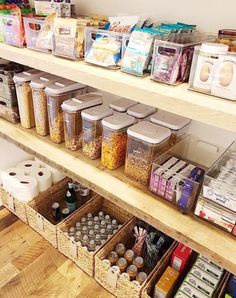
(38, 86)
(57, 93)
(177, 124)
(114, 139)
(122, 105)
(141, 111)
(24, 96)
(228, 37)
(145, 139)
(92, 130)
(72, 109)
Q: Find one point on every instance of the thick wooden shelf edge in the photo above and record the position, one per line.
(113, 185)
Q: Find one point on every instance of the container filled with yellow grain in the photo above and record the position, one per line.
(114, 139)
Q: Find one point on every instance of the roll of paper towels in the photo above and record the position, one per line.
(10, 178)
(44, 178)
(26, 188)
(57, 175)
(29, 166)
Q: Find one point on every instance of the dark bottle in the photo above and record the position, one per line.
(56, 212)
(71, 198)
(65, 212)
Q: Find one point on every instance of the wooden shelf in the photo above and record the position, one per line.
(113, 185)
(206, 109)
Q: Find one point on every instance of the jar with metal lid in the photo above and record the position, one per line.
(228, 37)
(141, 111)
(58, 92)
(138, 262)
(129, 255)
(92, 130)
(132, 270)
(114, 140)
(72, 109)
(145, 141)
(177, 124)
(120, 249)
(113, 257)
(141, 277)
(122, 105)
(122, 264)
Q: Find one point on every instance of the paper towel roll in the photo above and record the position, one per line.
(29, 166)
(41, 163)
(10, 178)
(44, 178)
(26, 188)
(57, 175)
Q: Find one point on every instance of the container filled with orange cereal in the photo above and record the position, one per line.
(114, 139)
(72, 109)
(57, 93)
(145, 141)
(92, 130)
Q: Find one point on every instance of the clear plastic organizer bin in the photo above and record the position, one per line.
(213, 71)
(172, 61)
(8, 111)
(57, 93)
(38, 33)
(145, 140)
(92, 130)
(178, 174)
(13, 30)
(104, 48)
(72, 109)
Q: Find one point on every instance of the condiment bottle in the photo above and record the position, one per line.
(71, 232)
(101, 215)
(96, 229)
(122, 264)
(98, 239)
(85, 230)
(107, 219)
(141, 277)
(92, 245)
(109, 230)
(78, 226)
(71, 198)
(103, 234)
(90, 224)
(125, 275)
(84, 193)
(83, 221)
(114, 224)
(85, 240)
(96, 220)
(113, 257)
(78, 236)
(132, 270)
(129, 255)
(56, 212)
(103, 241)
(91, 235)
(65, 212)
(106, 262)
(89, 216)
(120, 249)
(103, 224)
(138, 262)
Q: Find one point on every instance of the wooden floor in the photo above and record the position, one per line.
(31, 267)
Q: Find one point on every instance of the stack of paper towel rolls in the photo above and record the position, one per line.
(28, 178)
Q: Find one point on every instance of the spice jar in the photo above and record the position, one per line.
(122, 264)
(72, 109)
(57, 93)
(141, 277)
(122, 105)
(178, 125)
(38, 86)
(24, 96)
(145, 140)
(92, 130)
(132, 270)
(120, 249)
(114, 139)
(228, 37)
(141, 111)
(113, 257)
(129, 255)
(138, 262)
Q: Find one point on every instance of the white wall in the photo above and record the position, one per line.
(209, 15)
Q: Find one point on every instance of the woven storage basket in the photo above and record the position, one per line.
(122, 288)
(84, 259)
(39, 211)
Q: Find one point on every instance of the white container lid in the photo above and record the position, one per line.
(62, 86)
(122, 104)
(149, 132)
(27, 75)
(214, 48)
(82, 102)
(169, 120)
(118, 121)
(96, 113)
(43, 81)
(141, 111)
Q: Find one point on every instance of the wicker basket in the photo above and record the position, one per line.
(39, 211)
(121, 287)
(84, 259)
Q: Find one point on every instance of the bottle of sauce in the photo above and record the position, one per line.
(71, 198)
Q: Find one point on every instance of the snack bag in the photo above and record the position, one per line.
(44, 40)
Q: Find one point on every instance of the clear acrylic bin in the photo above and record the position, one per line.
(57, 93)
(38, 33)
(92, 130)
(72, 109)
(178, 174)
(13, 30)
(145, 140)
(104, 48)
(114, 140)
(172, 61)
(8, 111)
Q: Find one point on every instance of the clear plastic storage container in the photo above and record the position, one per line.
(228, 37)
(57, 93)
(122, 105)
(72, 109)
(114, 140)
(9, 111)
(38, 86)
(13, 30)
(145, 140)
(177, 124)
(92, 130)
(177, 175)
(24, 96)
(141, 111)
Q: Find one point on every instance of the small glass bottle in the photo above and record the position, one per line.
(78, 226)
(119, 226)
(120, 249)
(96, 220)
(113, 257)
(91, 235)
(98, 239)
(84, 194)
(132, 270)
(125, 275)
(90, 224)
(96, 229)
(107, 263)
(114, 224)
(122, 264)
(103, 241)
(85, 240)
(138, 262)
(109, 230)
(78, 236)
(141, 277)
(85, 230)
(114, 231)
(103, 234)
(71, 232)
(103, 224)
(83, 221)
(92, 245)
(65, 212)
(89, 216)
(71, 198)
(56, 211)
(79, 243)
(107, 219)
(129, 255)
(101, 215)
